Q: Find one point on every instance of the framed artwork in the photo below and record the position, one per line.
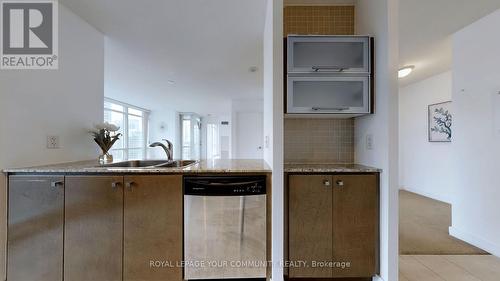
(440, 121)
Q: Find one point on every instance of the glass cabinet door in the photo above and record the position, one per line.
(334, 54)
(335, 94)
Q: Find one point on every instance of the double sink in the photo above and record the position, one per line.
(151, 164)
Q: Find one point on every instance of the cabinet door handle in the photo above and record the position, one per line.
(115, 185)
(129, 185)
(340, 183)
(330, 108)
(332, 68)
(327, 183)
(55, 184)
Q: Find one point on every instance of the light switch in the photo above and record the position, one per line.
(369, 142)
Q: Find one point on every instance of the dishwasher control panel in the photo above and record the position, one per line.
(225, 186)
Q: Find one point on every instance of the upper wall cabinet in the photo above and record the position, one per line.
(331, 94)
(329, 76)
(330, 54)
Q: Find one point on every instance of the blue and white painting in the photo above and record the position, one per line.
(440, 122)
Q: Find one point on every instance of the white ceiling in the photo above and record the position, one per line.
(205, 46)
(425, 32)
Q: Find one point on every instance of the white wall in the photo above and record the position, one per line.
(163, 124)
(273, 123)
(268, 79)
(476, 129)
(424, 167)
(379, 18)
(64, 102)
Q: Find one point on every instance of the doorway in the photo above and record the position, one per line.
(249, 126)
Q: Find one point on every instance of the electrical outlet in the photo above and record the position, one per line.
(369, 142)
(53, 142)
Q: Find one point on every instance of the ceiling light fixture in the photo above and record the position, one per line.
(405, 71)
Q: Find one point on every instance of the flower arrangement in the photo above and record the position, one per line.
(105, 136)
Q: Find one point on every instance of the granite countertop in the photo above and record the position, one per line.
(204, 166)
(328, 168)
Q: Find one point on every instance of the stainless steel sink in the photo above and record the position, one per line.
(150, 164)
(180, 163)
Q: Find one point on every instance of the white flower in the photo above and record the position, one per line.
(112, 128)
(99, 126)
(106, 126)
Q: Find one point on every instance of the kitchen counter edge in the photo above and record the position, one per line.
(329, 168)
(203, 167)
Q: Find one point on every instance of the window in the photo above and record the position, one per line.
(133, 123)
(190, 136)
(213, 146)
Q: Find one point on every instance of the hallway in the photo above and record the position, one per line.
(449, 268)
(423, 228)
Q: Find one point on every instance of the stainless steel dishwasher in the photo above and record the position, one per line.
(225, 227)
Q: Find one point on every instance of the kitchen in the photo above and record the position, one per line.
(281, 142)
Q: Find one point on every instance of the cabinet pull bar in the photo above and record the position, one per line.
(340, 183)
(330, 108)
(115, 185)
(326, 183)
(56, 184)
(129, 185)
(334, 68)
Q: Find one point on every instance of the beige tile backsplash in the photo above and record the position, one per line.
(319, 140)
(322, 20)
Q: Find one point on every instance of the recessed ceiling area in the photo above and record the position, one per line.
(425, 29)
(187, 55)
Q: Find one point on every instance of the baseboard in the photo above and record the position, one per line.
(427, 194)
(474, 240)
(376, 278)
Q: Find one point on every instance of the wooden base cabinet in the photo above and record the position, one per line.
(333, 225)
(310, 224)
(153, 228)
(35, 228)
(93, 228)
(116, 226)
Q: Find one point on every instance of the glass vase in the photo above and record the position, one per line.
(105, 158)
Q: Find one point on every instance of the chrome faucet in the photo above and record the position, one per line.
(169, 148)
